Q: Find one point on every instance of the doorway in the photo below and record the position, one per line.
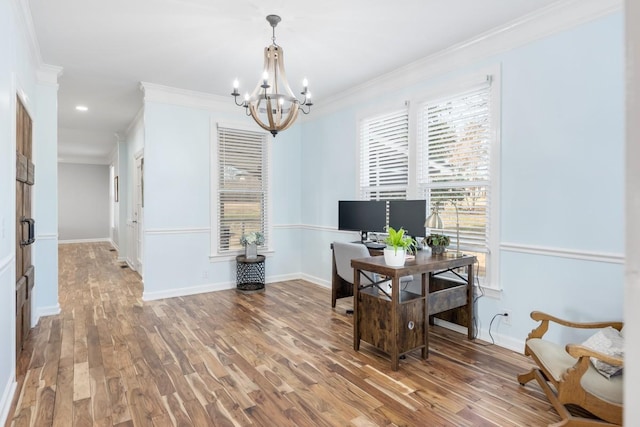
(138, 213)
(25, 225)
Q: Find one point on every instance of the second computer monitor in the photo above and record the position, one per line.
(408, 214)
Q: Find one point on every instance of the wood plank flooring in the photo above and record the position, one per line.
(278, 358)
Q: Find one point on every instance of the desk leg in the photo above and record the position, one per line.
(470, 280)
(356, 310)
(395, 296)
(425, 293)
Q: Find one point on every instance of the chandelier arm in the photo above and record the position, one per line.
(302, 109)
(235, 99)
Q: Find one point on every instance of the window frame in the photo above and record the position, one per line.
(452, 87)
(215, 254)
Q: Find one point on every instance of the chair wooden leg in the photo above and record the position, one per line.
(526, 377)
(559, 407)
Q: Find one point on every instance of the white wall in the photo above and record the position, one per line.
(177, 199)
(45, 137)
(632, 155)
(22, 71)
(83, 201)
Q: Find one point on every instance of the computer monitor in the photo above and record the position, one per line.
(408, 214)
(362, 216)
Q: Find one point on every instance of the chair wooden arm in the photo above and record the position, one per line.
(545, 318)
(578, 351)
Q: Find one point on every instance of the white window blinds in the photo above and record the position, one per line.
(242, 186)
(454, 163)
(384, 156)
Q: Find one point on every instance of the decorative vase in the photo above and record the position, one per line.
(394, 257)
(251, 251)
(437, 250)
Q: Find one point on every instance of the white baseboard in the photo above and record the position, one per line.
(51, 310)
(64, 242)
(283, 278)
(209, 287)
(316, 280)
(451, 326)
(115, 246)
(6, 399)
(193, 290)
(498, 339)
(501, 340)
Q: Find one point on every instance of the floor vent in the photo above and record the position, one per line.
(124, 266)
(112, 250)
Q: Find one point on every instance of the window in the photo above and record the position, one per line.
(454, 165)
(241, 166)
(454, 137)
(384, 156)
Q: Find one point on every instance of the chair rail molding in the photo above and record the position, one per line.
(612, 258)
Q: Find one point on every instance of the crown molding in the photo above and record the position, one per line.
(84, 160)
(555, 18)
(138, 118)
(48, 75)
(45, 74)
(186, 98)
(23, 12)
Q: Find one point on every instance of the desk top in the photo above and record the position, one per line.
(423, 262)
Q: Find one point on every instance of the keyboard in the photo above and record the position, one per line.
(375, 245)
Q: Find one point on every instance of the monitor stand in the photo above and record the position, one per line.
(364, 236)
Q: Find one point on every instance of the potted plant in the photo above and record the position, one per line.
(397, 246)
(437, 243)
(251, 241)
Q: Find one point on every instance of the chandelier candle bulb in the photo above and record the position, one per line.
(235, 92)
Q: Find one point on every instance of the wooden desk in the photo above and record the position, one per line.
(400, 324)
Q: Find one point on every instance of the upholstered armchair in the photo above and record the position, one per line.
(579, 374)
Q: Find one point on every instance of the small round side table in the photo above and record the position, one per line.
(250, 273)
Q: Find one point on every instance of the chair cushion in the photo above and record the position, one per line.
(344, 252)
(556, 361)
(607, 341)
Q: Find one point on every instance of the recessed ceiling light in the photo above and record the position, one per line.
(81, 108)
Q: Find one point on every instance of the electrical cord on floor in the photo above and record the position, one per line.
(491, 323)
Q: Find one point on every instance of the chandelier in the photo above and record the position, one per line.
(272, 104)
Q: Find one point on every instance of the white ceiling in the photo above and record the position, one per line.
(108, 47)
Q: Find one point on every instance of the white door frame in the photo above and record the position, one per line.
(138, 213)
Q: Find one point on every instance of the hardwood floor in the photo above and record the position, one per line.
(278, 358)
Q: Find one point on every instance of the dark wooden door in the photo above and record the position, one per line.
(25, 225)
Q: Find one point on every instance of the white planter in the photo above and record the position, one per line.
(394, 257)
(251, 251)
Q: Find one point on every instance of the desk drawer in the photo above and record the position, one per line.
(375, 323)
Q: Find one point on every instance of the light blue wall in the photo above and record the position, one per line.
(561, 176)
(177, 202)
(18, 72)
(45, 155)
